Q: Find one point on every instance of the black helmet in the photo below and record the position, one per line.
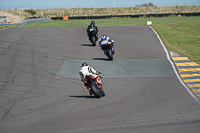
(84, 64)
(93, 22)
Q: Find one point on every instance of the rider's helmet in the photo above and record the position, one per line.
(92, 22)
(84, 64)
(104, 36)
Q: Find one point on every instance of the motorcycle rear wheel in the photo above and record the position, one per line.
(93, 40)
(109, 54)
(95, 91)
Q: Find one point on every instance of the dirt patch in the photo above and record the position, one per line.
(174, 54)
(12, 18)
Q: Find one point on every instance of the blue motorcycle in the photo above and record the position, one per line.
(107, 45)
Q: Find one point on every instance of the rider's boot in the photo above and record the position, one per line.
(90, 92)
(101, 87)
(88, 87)
(104, 51)
(113, 51)
(102, 91)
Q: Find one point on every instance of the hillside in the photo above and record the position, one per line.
(18, 15)
(12, 18)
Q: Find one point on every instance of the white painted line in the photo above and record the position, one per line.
(174, 68)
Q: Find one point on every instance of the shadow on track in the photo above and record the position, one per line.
(88, 45)
(105, 59)
(82, 96)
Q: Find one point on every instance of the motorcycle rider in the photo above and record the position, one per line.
(87, 70)
(105, 40)
(92, 27)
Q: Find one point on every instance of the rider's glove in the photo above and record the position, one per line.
(98, 73)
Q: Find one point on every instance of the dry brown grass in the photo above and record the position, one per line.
(11, 18)
(60, 12)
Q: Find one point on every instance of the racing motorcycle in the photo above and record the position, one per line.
(95, 86)
(92, 36)
(109, 49)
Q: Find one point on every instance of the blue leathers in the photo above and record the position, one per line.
(104, 40)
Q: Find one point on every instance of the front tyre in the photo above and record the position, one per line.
(110, 54)
(95, 91)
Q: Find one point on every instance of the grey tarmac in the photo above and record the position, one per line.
(40, 91)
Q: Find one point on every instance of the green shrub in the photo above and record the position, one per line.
(32, 12)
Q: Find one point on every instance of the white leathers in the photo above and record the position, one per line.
(87, 70)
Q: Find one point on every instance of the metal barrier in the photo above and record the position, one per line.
(28, 21)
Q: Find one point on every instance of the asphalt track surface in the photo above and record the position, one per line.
(37, 96)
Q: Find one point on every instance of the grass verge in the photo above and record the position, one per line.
(182, 37)
(4, 26)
